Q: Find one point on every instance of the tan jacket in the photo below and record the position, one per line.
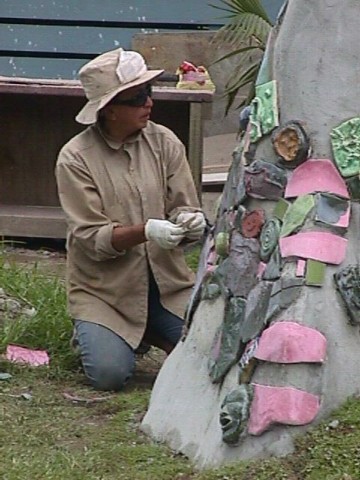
(102, 184)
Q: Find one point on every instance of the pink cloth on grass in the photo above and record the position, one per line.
(18, 354)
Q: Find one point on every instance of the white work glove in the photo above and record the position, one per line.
(166, 234)
(193, 223)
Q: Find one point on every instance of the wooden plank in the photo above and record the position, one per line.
(195, 149)
(37, 86)
(33, 88)
(29, 221)
(27, 162)
(214, 178)
(182, 95)
(216, 168)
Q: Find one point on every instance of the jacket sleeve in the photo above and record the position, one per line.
(82, 204)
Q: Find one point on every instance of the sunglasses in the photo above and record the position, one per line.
(138, 100)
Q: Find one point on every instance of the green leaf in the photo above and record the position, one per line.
(236, 7)
(243, 29)
(247, 77)
(235, 52)
(246, 33)
(243, 78)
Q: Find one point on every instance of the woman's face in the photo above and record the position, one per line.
(127, 117)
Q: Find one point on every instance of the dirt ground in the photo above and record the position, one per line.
(46, 253)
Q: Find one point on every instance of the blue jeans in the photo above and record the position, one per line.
(108, 361)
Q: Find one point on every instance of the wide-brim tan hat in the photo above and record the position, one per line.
(109, 74)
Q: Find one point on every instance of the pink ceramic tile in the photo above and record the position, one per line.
(285, 405)
(261, 269)
(216, 347)
(212, 258)
(25, 355)
(316, 175)
(344, 219)
(322, 246)
(290, 342)
(300, 268)
(210, 269)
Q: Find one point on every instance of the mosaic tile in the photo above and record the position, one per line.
(264, 116)
(256, 310)
(353, 185)
(269, 237)
(345, 140)
(332, 210)
(252, 222)
(274, 266)
(315, 273)
(316, 175)
(290, 342)
(300, 268)
(347, 281)
(265, 180)
(291, 143)
(281, 405)
(296, 214)
(280, 208)
(248, 362)
(234, 413)
(222, 243)
(322, 246)
(285, 292)
(227, 346)
(238, 272)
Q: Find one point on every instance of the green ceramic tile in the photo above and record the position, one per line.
(315, 273)
(345, 141)
(296, 214)
(280, 208)
(353, 185)
(264, 116)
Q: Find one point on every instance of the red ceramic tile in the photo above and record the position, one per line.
(290, 342)
(322, 246)
(252, 222)
(316, 175)
(284, 405)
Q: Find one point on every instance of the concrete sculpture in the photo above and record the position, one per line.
(272, 326)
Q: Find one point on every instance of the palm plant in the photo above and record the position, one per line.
(246, 33)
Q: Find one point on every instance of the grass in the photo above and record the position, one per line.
(50, 328)
(46, 435)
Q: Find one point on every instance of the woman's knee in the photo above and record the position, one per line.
(108, 361)
(109, 376)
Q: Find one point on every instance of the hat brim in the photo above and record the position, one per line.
(88, 114)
